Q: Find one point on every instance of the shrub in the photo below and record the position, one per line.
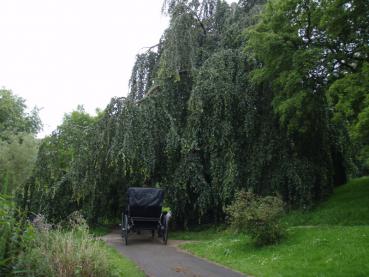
(11, 228)
(258, 216)
(61, 252)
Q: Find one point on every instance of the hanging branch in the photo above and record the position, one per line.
(150, 47)
(150, 91)
(199, 21)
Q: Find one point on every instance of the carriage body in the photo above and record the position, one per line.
(144, 212)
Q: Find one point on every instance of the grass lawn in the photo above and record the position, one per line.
(349, 205)
(323, 251)
(331, 240)
(122, 266)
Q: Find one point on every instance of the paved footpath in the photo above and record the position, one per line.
(158, 260)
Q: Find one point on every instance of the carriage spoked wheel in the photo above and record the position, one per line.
(125, 230)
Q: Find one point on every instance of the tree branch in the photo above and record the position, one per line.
(150, 47)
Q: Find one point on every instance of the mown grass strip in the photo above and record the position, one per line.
(322, 251)
(122, 266)
(331, 240)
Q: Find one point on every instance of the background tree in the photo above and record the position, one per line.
(13, 116)
(17, 158)
(18, 145)
(268, 97)
(51, 191)
(313, 51)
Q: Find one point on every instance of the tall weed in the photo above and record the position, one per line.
(10, 233)
(62, 253)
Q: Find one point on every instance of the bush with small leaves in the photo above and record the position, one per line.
(70, 251)
(257, 216)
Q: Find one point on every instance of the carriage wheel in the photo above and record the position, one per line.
(165, 232)
(125, 231)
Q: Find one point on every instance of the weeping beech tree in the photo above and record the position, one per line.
(218, 107)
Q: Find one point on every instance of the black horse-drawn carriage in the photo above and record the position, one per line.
(144, 212)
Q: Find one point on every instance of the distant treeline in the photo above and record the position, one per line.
(270, 97)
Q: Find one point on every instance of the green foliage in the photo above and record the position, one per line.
(69, 253)
(53, 180)
(17, 158)
(316, 251)
(37, 250)
(306, 50)
(18, 145)
(143, 73)
(350, 98)
(323, 247)
(12, 228)
(243, 96)
(257, 216)
(18, 151)
(120, 265)
(100, 230)
(13, 115)
(348, 206)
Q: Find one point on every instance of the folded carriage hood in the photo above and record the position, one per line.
(145, 197)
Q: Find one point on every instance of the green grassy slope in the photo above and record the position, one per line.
(331, 240)
(349, 205)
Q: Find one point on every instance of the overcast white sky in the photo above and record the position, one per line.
(57, 54)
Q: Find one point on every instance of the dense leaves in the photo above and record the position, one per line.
(17, 158)
(18, 151)
(267, 98)
(18, 145)
(308, 51)
(257, 216)
(10, 234)
(14, 118)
